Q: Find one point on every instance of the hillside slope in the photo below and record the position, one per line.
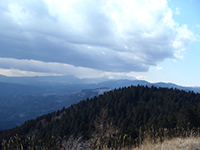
(24, 98)
(120, 118)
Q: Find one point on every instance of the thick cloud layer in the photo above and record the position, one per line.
(107, 35)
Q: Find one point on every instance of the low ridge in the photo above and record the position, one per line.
(121, 118)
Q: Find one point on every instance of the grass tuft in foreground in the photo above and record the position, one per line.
(190, 143)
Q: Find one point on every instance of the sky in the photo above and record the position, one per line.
(152, 40)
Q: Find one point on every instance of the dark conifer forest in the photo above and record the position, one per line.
(130, 112)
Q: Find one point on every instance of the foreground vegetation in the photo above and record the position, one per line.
(189, 140)
(189, 143)
(125, 118)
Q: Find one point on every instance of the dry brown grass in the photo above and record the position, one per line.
(189, 143)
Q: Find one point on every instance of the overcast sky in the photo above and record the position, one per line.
(154, 40)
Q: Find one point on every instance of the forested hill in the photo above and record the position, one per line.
(125, 112)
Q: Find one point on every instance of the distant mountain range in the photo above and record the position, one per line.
(24, 98)
(50, 82)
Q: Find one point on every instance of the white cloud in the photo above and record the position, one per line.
(141, 77)
(181, 41)
(89, 37)
(118, 75)
(39, 68)
(21, 73)
(159, 68)
(33, 67)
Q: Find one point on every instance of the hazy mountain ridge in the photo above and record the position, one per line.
(85, 83)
